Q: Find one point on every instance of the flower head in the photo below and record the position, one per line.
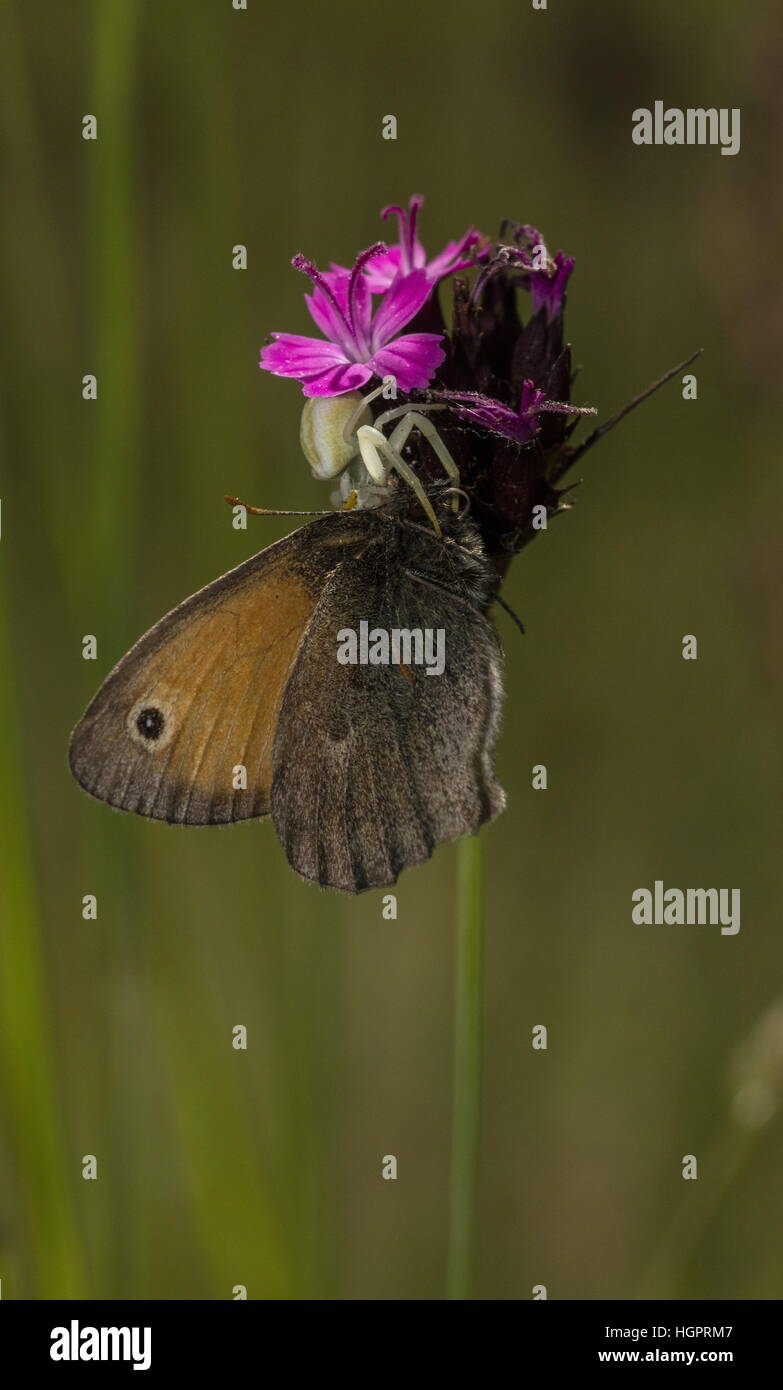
(546, 277)
(360, 341)
(409, 254)
(518, 425)
(508, 374)
(501, 365)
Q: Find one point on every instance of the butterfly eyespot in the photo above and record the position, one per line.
(150, 723)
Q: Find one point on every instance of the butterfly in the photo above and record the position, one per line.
(236, 705)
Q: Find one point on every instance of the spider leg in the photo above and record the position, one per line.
(413, 419)
(351, 424)
(398, 410)
(374, 448)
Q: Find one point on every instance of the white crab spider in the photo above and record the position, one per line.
(341, 440)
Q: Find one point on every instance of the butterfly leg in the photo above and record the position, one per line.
(375, 448)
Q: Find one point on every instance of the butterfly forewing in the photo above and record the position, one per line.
(195, 702)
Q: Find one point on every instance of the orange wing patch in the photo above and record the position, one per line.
(215, 671)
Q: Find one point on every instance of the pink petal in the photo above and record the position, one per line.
(347, 322)
(331, 318)
(293, 355)
(399, 305)
(337, 380)
(412, 360)
(380, 272)
(324, 315)
(454, 256)
(360, 309)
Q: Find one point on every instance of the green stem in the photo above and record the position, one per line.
(468, 1037)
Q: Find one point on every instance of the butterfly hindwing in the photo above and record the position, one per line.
(375, 765)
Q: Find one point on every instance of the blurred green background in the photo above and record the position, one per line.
(263, 1168)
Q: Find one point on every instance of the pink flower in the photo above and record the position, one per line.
(519, 425)
(548, 287)
(360, 341)
(409, 254)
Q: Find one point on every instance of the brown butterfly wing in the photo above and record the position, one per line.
(374, 766)
(214, 670)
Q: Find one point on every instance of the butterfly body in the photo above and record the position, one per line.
(235, 705)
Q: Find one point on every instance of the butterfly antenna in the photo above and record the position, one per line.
(570, 457)
(511, 613)
(271, 511)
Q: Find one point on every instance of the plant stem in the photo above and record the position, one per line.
(468, 1038)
